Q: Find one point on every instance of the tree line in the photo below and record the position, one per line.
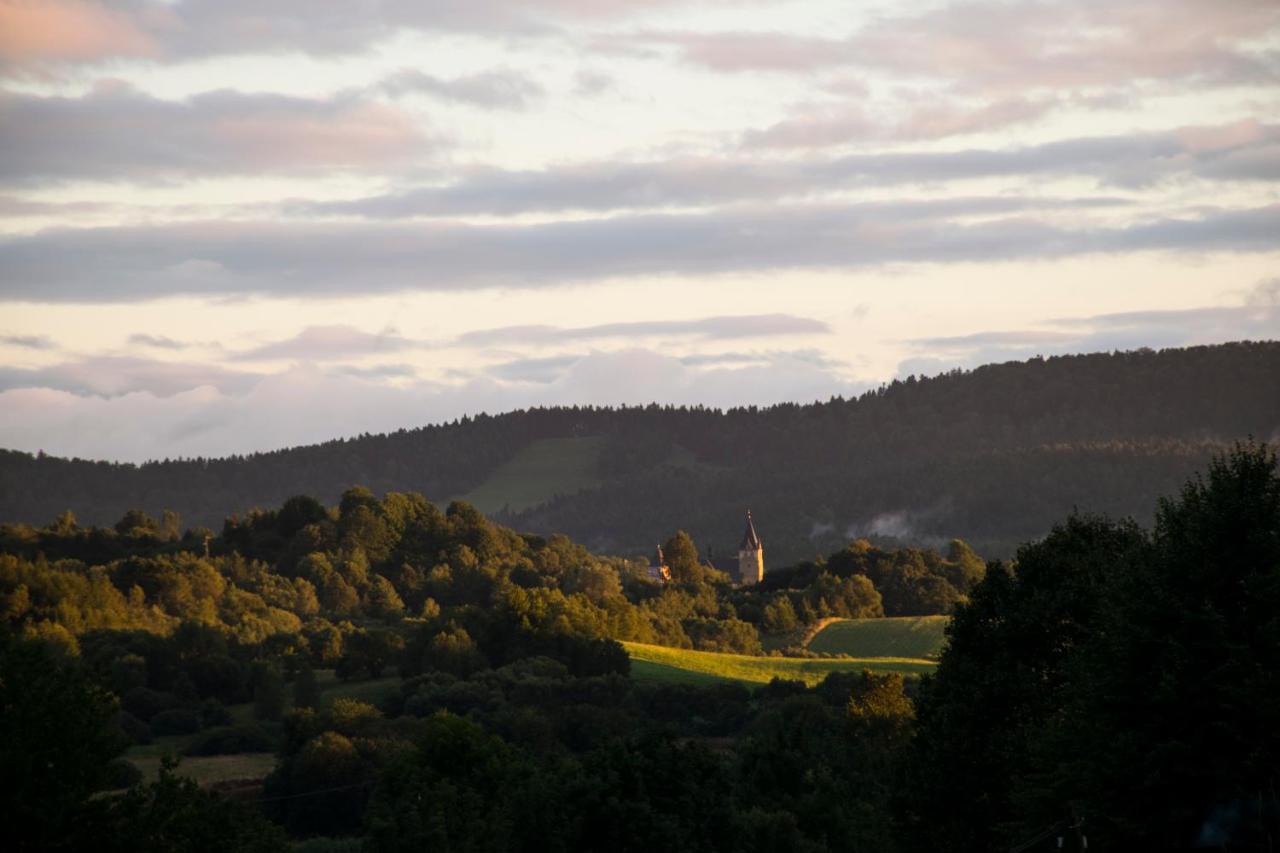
(994, 455)
(1110, 682)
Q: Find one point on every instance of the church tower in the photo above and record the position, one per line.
(750, 556)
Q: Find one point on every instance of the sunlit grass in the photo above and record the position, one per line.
(899, 637)
(683, 665)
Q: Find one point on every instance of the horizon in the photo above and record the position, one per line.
(295, 226)
(467, 417)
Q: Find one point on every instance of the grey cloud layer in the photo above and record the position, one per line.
(39, 342)
(718, 328)
(1067, 43)
(1258, 318)
(336, 342)
(94, 31)
(328, 343)
(114, 375)
(1247, 151)
(117, 133)
(114, 264)
(497, 88)
(305, 405)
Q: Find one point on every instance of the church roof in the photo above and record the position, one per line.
(750, 539)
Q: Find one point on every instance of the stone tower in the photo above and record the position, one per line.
(750, 556)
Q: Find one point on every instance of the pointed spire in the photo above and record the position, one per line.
(750, 539)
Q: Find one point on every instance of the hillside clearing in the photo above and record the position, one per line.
(539, 472)
(209, 770)
(659, 663)
(897, 637)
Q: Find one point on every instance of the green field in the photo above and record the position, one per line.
(896, 637)
(659, 663)
(539, 472)
(210, 769)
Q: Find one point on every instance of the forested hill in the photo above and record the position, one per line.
(993, 455)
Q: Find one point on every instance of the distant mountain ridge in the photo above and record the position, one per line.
(993, 455)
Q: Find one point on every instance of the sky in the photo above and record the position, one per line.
(230, 226)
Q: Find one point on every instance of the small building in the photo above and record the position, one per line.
(747, 568)
(659, 572)
(750, 556)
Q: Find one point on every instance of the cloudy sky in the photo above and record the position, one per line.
(230, 225)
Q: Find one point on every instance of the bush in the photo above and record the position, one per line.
(144, 703)
(349, 716)
(229, 740)
(133, 728)
(176, 721)
(214, 713)
(122, 773)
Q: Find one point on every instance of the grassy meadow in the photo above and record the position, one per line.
(539, 472)
(660, 663)
(890, 637)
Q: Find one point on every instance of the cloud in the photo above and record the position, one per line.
(726, 359)
(327, 343)
(377, 371)
(1001, 47)
(939, 119)
(590, 82)
(38, 31)
(44, 33)
(717, 328)
(753, 51)
(306, 404)
(138, 137)
(499, 88)
(1258, 318)
(1073, 43)
(1246, 150)
(1265, 294)
(995, 339)
(40, 342)
(550, 369)
(542, 370)
(112, 376)
(233, 258)
(156, 342)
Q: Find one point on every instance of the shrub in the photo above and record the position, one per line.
(133, 728)
(144, 703)
(175, 721)
(229, 740)
(122, 773)
(214, 713)
(350, 715)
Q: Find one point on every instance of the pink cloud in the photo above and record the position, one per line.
(761, 51)
(996, 47)
(1073, 43)
(1219, 137)
(937, 119)
(817, 129)
(32, 31)
(225, 132)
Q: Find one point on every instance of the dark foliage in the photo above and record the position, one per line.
(1118, 678)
